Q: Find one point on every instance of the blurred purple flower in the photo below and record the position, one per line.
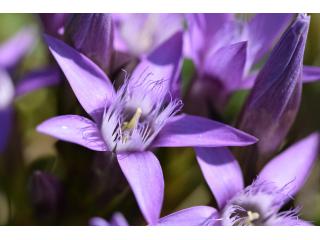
(140, 33)
(137, 117)
(274, 101)
(258, 203)
(225, 48)
(117, 219)
(11, 52)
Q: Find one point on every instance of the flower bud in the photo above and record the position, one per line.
(92, 34)
(45, 194)
(272, 105)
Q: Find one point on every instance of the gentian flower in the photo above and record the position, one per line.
(117, 219)
(225, 49)
(274, 101)
(140, 33)
(261, 201)
(11, 52)
(135, 118)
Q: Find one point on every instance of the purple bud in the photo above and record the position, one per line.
(45, 193)
(92, 34)
(53, 23)
(274, 100)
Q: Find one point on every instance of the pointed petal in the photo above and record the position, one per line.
(263, 30)
(17, 47)
(310, 74)
(194, 216)
(202, 29)
(75, 129)
(118, 219)
(192, 131)
(37, 80)
(222, 173)
(144, 174)
(162, 66)
(227, 64)
(5, 123)
(291, 168)
(89, 83)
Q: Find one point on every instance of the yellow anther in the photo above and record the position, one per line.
(252, 216)
(133, 121)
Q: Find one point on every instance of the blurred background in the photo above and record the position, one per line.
(45, 182)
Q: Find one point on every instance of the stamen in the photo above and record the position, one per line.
(252, 216)
(134, 120)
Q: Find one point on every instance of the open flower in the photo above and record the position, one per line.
(137, 117)
(258, 203)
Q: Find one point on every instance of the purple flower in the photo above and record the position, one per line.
(11, 52)
(83, 30)
(140, 33)
(225, 48)
(117, 219)
(135, 118)
(275, 98)
(258, 203)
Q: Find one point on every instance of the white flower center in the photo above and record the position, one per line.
(135, 117)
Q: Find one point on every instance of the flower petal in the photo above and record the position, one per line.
(17, 47)
(227, 64)
(163, 66)
(7, 90)
(98, 221)
(75, 129)
(89, 83)
(291, 168)
(194, 216)
(37, 80)
(192, 131)
(263, 30)
(310, 74)
(118, 219)
(222, 173)
(144, 174)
